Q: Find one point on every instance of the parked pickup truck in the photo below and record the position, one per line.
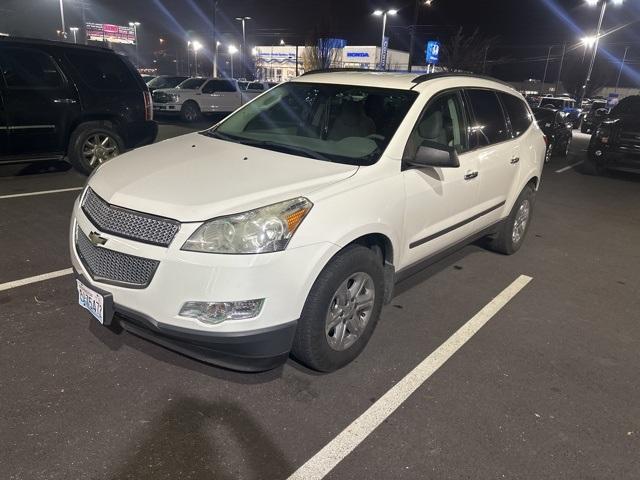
(199, 95)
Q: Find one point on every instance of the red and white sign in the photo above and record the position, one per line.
(105, 32)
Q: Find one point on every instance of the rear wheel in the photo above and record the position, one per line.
(514, 228)
(92, 144)
(190, 112)
(341, 311)
(567, 148)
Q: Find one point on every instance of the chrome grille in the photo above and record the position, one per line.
(129, 223)
(161, 97)
(115, 268)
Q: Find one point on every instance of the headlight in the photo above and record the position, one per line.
(175, 97)
(266, 229)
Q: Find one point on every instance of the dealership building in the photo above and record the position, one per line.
(278, 63)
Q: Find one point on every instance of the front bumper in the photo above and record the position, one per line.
(167, 108)
(624, 158)
(283, 279)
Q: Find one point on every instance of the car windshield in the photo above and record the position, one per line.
(596, 105)
(627, 106)
(544, 115)
(553, 103)
(165, 82)
(191, 83)
(338, 123)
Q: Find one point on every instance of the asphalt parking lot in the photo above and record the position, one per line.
(547, 387)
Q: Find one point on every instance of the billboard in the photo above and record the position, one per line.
(105, 32)
(433, 52)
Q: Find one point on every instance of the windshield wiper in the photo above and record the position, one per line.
(281, 147)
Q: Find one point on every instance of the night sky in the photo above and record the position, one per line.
(525, 27)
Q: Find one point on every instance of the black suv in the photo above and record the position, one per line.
(597, 111)
(59, 100)
(616, 142)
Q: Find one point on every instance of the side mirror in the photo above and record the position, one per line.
(432, 154)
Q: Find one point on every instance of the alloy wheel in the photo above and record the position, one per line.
(98, 148)
(521, 221)
(349, 311)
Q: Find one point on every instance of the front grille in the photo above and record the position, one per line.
(115, 268)
(161, 97)
(129, 223)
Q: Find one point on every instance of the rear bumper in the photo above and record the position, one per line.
(139, 134)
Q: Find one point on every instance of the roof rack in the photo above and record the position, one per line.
(432, 76)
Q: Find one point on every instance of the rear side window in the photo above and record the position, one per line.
(213, 86)
(518, 113)
(255, 86)
(29, 69)
(489, 126)
(103, 71)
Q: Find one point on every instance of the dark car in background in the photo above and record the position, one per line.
(74, 102)
(165, 81)
(592, 117)
(615, 143)
(556, 128)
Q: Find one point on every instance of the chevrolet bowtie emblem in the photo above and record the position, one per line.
(96, 239)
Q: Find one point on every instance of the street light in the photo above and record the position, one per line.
(596, 42)
(232, 50)
(135, 26)
(196, 46)
(188, 59)
(64, 30)
(282, 41)
(244, 41)
(383, 14)
(215, 60)
(74, 30)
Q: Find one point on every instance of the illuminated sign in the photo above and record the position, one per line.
(358, 54)
(105, 32)
(433, 52)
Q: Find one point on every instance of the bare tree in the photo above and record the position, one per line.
(324, 54)
(468, 53)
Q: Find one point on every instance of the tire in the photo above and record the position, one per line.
(93, 143)
(190, 112)
(317, 344)
(591, 166)
(506, 241)
(548, 153)
(567, 148)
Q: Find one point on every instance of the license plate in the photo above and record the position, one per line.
(92, 301)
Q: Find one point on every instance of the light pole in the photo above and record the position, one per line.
(624, 58)
(135, 26)
(215, 60)
(546, 66)
(64, 30)
(412, 37)
(383, 14)
(594, 3)
(232, 50)
(244, 43)
(196, 46)
(188, 59)
(74, 30)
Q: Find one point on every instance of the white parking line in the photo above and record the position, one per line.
(44, 192)
(37, 278)
(569, 167)
(337, 449)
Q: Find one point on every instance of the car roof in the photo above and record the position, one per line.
(53, 43)
(397, 80)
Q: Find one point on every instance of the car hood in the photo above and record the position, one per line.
(194, 178)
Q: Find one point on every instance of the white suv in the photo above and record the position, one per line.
(283, 228)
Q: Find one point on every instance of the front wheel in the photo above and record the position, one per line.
(190, 112)
(567, 148)
(341, 311)
(514, 228)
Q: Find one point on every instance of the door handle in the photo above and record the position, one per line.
(470, 175)
(64, 100)
(515, 160)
